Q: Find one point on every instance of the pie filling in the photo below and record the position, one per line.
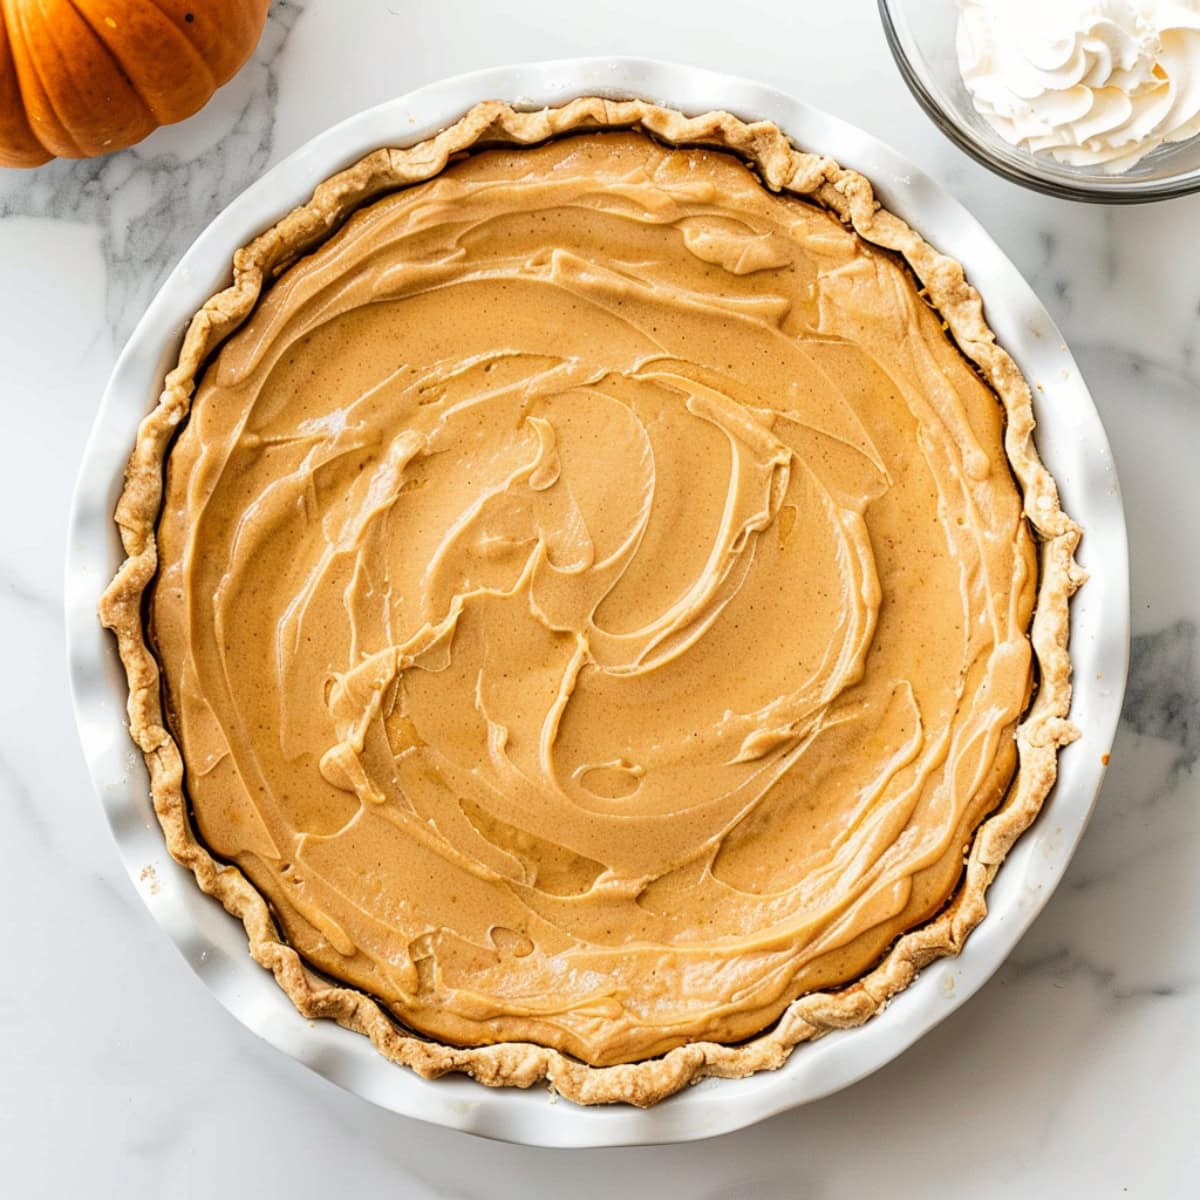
(593, 601)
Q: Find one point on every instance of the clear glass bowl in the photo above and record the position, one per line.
(921, 36)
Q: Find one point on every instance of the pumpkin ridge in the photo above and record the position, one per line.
(237, 36)
(22, 128)
(120, 66)
(192, 82)
(12, 10)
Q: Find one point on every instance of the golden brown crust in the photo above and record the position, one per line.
(1043, 731)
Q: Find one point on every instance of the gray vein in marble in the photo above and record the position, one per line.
(1162, 698)
(1167, 374)
(1146, 810)
(150, 209)
(1139, 849)
(18, 802)
(31, 599)
(156, 1142)
(1047, 242)
(1109, 259)
(1046, 274)
(1061, 965)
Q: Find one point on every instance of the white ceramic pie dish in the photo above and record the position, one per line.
(1071, 440)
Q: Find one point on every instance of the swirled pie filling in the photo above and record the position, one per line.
(593, 600)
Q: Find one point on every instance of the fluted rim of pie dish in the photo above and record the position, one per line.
(1045, 728)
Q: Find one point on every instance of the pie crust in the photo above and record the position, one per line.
(1042, 731)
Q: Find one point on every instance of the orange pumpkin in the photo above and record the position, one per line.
(84, 77)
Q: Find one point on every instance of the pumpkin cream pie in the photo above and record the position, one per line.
(594, 609)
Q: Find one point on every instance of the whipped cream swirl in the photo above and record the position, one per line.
(1094, 83)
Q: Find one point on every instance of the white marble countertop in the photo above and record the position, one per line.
(1075, 1072)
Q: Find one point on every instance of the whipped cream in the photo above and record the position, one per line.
(1094, 83)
